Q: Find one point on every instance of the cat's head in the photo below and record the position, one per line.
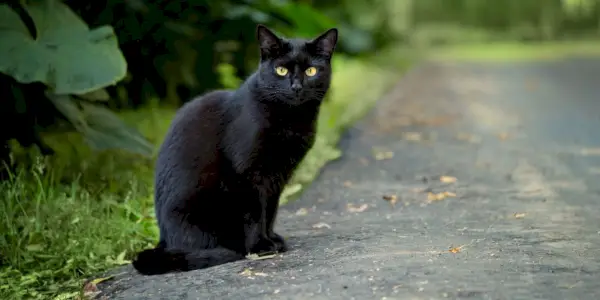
(295, 70)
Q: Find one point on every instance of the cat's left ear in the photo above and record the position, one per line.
(325, 43)
(269, 43)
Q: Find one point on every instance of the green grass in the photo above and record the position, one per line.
(514, 51)
(71, 216)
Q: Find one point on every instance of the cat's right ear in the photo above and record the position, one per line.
(268, 42)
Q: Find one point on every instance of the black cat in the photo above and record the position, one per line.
(228, 155)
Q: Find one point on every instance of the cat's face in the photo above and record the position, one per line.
(295, 70)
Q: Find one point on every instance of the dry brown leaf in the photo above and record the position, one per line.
(412, 136)
(392, 199)
(246, 272)
(352, 208)
(347, 183)
(90, 289)
(249, 273)
(519, 215)
(301, 212)
(447, 179)
(439, 196)
(384, 155)
(503, 136)
(255, 256)
(455, 249)
(321, 225)
(470, 138)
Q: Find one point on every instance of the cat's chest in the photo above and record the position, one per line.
(281, 151)
(284, 146)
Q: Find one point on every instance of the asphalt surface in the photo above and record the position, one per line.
(521, 221)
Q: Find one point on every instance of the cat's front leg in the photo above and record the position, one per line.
(279, 241)
(262, 238)
(255, 230)
(271, 215)
(257, 241)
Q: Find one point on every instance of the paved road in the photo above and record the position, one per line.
(522, 220)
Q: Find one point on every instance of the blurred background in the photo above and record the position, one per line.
(89, 89)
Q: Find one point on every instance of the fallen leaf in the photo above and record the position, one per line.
(255, 256)
(90, 289)
(101, 279)
(439, 196)
(467, 137)
(246, 272)
(321, 225)
(447, 179)
(384, 155)
(347, 183)
(352, 208)
(455, 249)
(301, 212)
(519, 215)
(412, 136)
(249, 273)
(503, 136)
(392, 199)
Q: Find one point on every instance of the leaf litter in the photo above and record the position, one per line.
(448, 179)
(321, 225)
(353, 208)
(519, 215)
(248, 272)
(412, 136)
(302, 212)
(90, 289)
(384, 155)
(392, 199)
(431, 197)
(256, 256)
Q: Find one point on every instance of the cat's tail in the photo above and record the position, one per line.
(160, 260)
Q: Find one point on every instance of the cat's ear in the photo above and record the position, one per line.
(325, 43)
(269, 43)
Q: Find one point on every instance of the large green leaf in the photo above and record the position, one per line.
(65, 55)
(101, 128)
(307, 20)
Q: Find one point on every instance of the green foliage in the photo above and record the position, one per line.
(62, 61)
(102, 129)
(64, 54)
(534, 20)
(157, 50)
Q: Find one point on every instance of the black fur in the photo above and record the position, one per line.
(228, 154)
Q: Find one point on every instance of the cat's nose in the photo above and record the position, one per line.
(296, 87)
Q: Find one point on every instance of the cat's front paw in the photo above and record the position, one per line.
(279, 241)
(264, 246)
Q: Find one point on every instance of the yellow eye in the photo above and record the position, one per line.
(281, 71)
(312, 71)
